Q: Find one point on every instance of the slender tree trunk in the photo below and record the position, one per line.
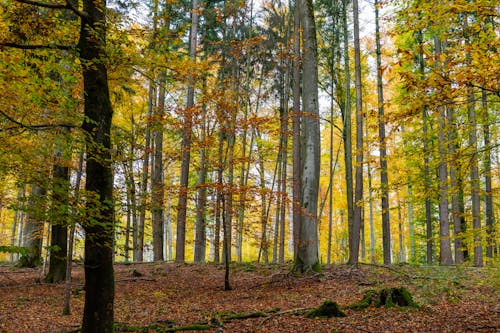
(59, 218)
(157, 181)
(358, 192)
(347, 136)
(139, 250)
(200, 237)
(372, 227)
(278, 205)
(67, 284)
(183, 186)
(218, 205)
(445, 257)
(474, 179)
(296, 124)
(456, 188)
(384, 181)
(263, 251)
(99, 228)
(427, 179)
(488, 191)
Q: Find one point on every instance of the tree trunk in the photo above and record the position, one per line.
(200, 233)
(59, 216)
(67, 285)
(384, 181)
(358, 192)
(17, 222)
(347, 136)
(99, 226)
(445, 257)
(296, 124)
(183, 187)
(307, 258)
(139, 249)
(157, 181)
(33, 228)
(474, 179)
(488, 191)
(427, 179)
(456, 185)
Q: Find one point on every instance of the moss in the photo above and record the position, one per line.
(369, 298)
(388, 297)
(328, 309)
(399, 296)
(317, 267)
(300, 268)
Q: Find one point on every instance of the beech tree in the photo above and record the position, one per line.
(307, 257)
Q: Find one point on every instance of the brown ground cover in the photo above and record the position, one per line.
(172, 296)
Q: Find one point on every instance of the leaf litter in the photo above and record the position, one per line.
(162, 297)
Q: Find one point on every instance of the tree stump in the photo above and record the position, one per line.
(328, 309)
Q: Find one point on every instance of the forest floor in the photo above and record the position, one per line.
(160, 297)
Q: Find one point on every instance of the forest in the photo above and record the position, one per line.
(249, 166)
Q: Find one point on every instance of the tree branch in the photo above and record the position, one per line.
(68, 5)
(32, 127)
(37, 46)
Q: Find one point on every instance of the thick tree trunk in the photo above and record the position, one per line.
(99, 226)
(307, 258)
(384, 181)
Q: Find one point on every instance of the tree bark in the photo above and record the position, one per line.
(296, 125)
(358, 191)
(346, 133)
(33, 228)
(59, 217)
(488, 191)
(445, 257)
(139, 249)
(307, 258)
(427, 179)
(384, 181)
(157, 178)
(99, 226)
(456, 187)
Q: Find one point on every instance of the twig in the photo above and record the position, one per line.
(297, 311)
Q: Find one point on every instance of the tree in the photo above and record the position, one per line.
(307, 258)
(384, 181)
(99, 224)
(358, 192)
(59, 215)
